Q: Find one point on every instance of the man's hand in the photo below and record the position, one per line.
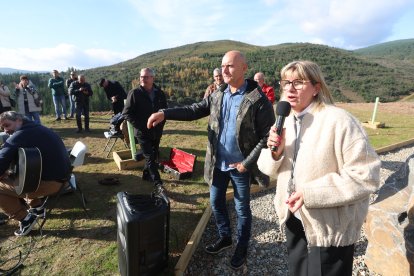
(155, 119)
(239, 166)
(113, 98)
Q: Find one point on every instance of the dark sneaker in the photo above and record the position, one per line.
(57, 119)
(219, 245)
(87, 130)
(26, 225)
(40, 211)
(239, 257)
(78, 130)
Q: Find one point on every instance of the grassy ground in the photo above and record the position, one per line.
(76, 245)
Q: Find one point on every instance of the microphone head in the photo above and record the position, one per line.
(283, 108)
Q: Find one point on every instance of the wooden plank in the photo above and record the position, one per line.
(395, 146)
(373, 125)
(192, 244)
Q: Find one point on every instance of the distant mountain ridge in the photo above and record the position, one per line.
(184, 72)
(7, 70)
(398, 49)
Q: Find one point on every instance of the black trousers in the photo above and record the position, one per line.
(150, 150)
(315, 261)
(82, 108)
(118, 106)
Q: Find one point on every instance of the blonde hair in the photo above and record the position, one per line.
(308, 70)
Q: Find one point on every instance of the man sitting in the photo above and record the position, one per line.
(55, 168)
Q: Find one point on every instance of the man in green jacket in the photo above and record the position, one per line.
(56, 84)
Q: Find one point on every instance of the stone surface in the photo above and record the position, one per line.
(389, 226)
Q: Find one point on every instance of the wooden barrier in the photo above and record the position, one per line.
(195, 238)
(395, 146)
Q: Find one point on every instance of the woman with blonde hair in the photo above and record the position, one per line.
(325, 170)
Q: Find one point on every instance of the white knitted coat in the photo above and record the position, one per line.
(337, 170)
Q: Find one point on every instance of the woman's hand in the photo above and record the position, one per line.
(295, 201)
(275, 140)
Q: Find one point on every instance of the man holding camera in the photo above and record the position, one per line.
(80, 91)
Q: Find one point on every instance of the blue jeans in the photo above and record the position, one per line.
(60, 105)
(34, 116)
(241, 186)
(72, 106)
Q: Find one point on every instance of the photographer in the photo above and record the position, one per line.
(28, 99)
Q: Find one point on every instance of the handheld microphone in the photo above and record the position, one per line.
(282, 111)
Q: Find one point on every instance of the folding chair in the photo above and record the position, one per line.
(77, 158)
(114, 137)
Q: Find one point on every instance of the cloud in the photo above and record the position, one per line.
(348, 24)
(59, 57)
(179, 22)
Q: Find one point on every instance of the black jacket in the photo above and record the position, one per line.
(55, 158)
(138, 109)
(77, 95)
(114, 88)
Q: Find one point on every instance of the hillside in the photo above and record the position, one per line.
(398, 49)
(184, 72)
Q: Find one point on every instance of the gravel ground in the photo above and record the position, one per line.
(267, 250)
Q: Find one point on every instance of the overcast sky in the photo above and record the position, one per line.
(46, 34)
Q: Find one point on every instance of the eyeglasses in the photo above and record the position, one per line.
(297, 84)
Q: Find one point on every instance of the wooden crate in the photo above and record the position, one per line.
(124, 161)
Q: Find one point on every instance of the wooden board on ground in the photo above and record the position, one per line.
(124, 161)
(395, 146)
(373, 125)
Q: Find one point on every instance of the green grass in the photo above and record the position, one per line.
(76, 245)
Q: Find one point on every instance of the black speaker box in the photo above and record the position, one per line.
(143, 233)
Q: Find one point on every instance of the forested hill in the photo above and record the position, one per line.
(398, 49)
(184, 72)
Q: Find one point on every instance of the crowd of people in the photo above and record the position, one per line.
(322, 160)
(70, 98)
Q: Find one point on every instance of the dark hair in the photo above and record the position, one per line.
(11, 116)
(23, 77)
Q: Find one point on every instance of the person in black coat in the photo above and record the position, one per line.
(115, 93)
(140, 104)
(80, 91)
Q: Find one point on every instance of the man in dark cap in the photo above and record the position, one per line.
(115, 93)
